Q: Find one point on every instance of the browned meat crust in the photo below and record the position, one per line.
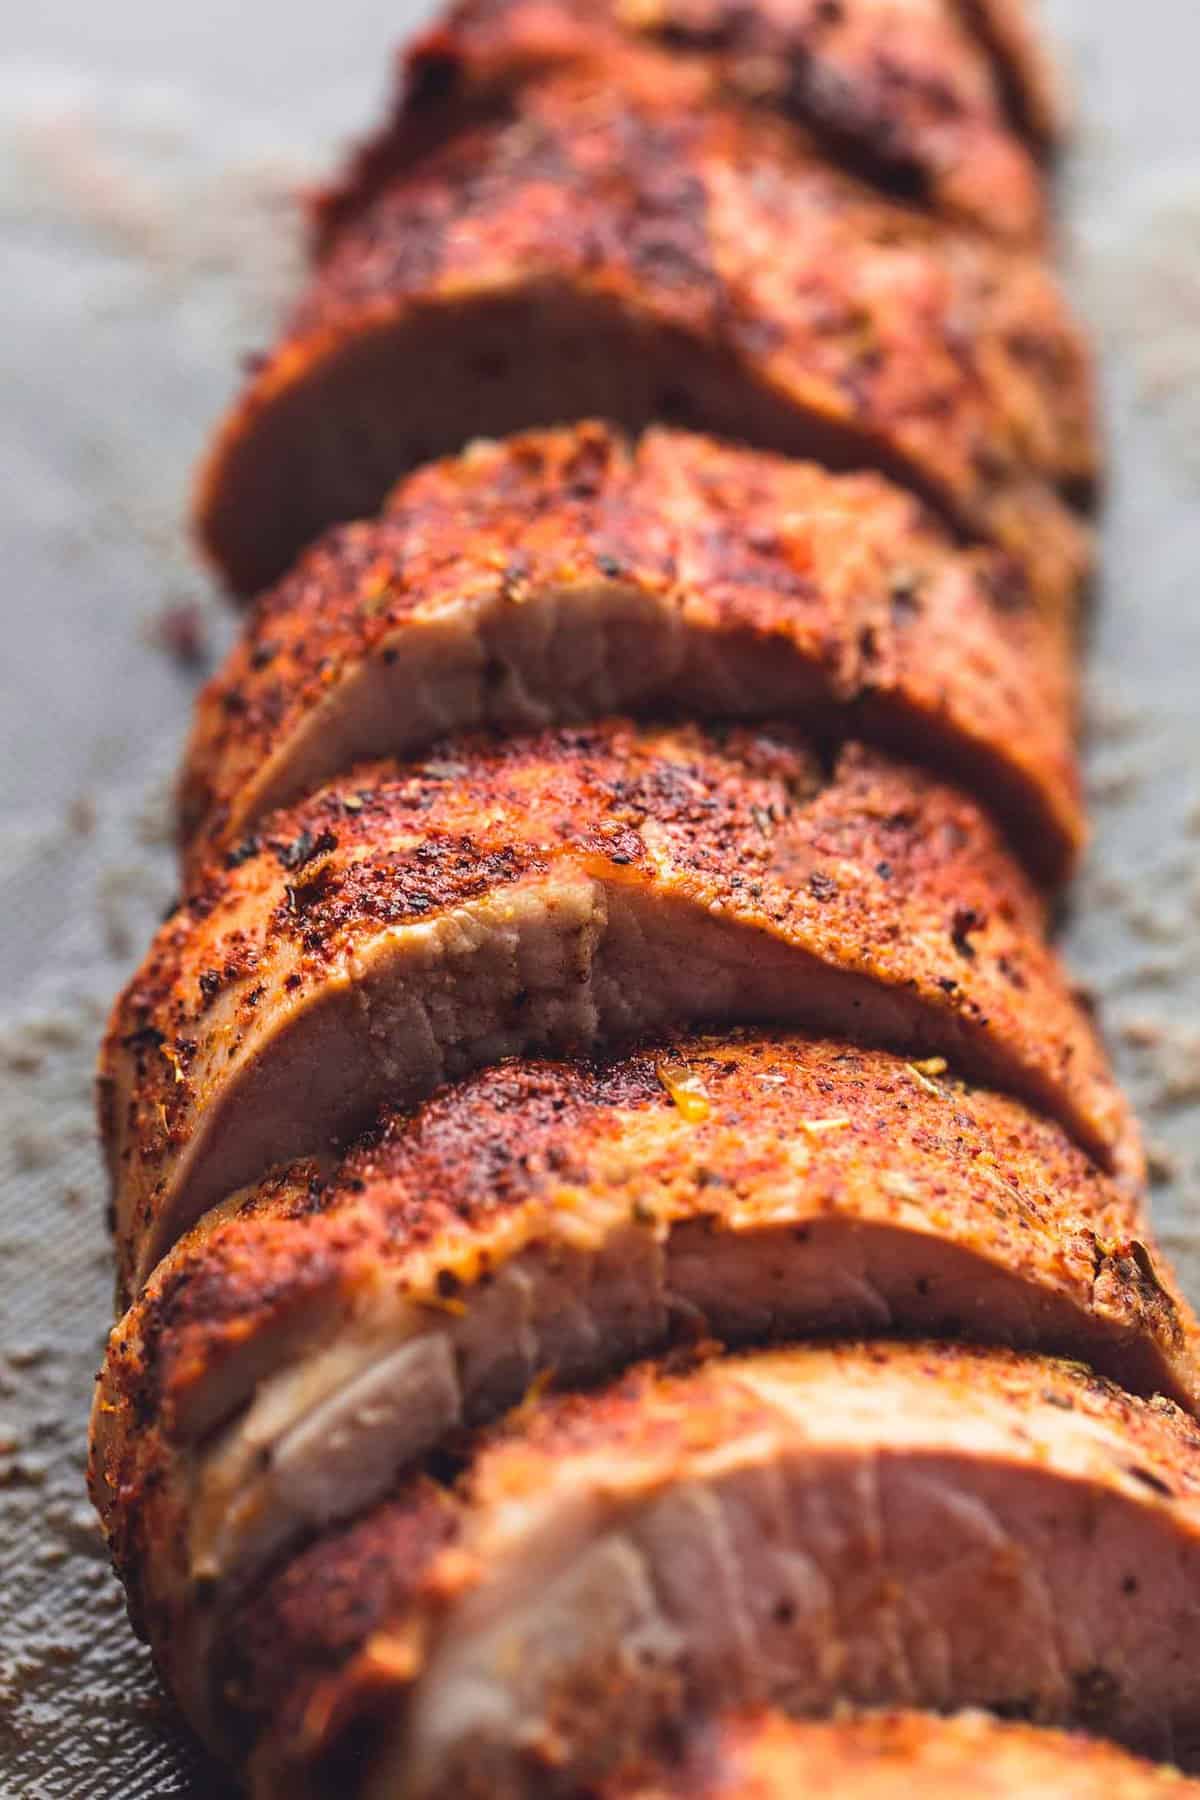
(894, 1756)
(1028, 74)
(625, 206)
(885, 1525)
(550, 893)
(609, 251)
(741, 1135)
(562, 576)
(905, 93)
(559, 1220)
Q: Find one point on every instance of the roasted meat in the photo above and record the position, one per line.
(560, 576)
(609, 251)
(315, 1338)
(1027, 75)
(553, 892)
(919, 1526)
(894, 1756)
(904, 92)
(474, 1069)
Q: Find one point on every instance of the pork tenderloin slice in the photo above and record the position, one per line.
(561, 575)
(295, 1353)
(884, 1525)
(631, 254)
(894, 1755)
(901, 92)
(553, 892)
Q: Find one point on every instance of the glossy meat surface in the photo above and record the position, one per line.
(885, 1525)
(563, 575)
(624, 250)
(556, 892)
(555, 1221)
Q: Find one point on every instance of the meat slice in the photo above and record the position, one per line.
(884, 1525)
(607, 250)
(557, 1220)
(554, 892)
(904, 92)
(1027, 73)
(895, 1755)
(561, 575)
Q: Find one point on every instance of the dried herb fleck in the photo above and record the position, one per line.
(305, 849)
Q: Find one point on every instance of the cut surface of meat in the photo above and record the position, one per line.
(896, 1755)
(879, 1524)
(903, 92)
(560, 576)
(556, 892)
(604, 250)
(307, 1344)
(499, 1045)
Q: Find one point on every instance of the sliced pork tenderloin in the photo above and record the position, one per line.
(625, 251)
(555, 892)
(883, 1525)
(896, 1755)
(312, 1340)
(902, 92)
(560, 576)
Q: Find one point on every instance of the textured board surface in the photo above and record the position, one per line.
(148, 162)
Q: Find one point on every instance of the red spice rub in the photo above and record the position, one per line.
(892, 1756)
(606, 249)
(564, 575)
(904, 92)
(552, 892)
(556, 1220)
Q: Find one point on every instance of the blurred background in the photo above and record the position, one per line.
(150, 157)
